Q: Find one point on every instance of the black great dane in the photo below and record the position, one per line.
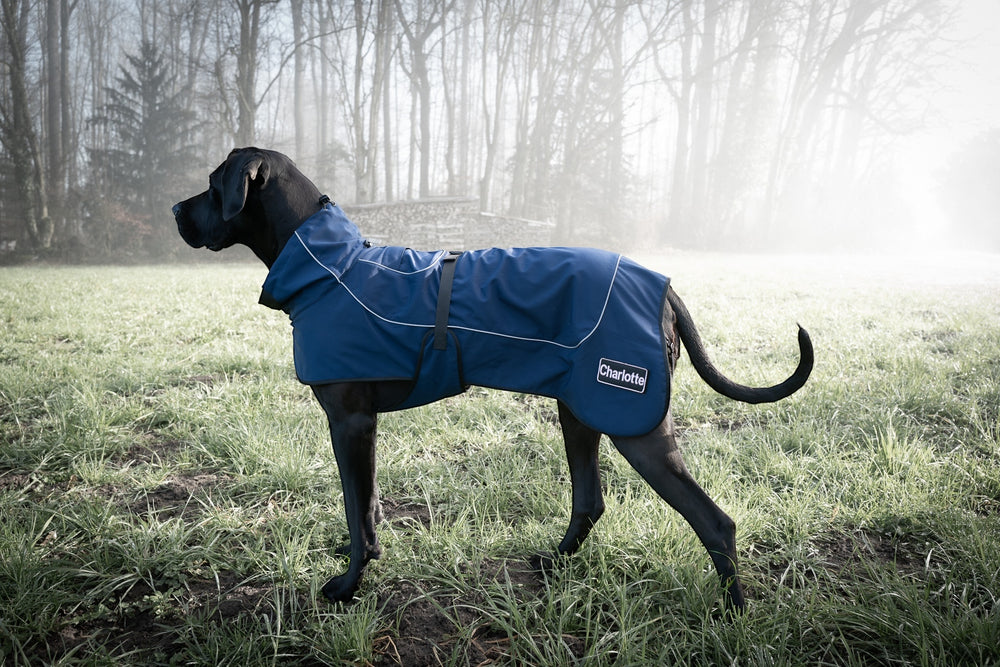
(605, 380)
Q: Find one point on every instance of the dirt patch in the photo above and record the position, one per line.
(177, 495)
(910, 554)
(133, 625)
(15, 481)
(429, 629)
(844, 552)
(520, 573)
(230, 597)
(149, 450)
(426, 626)
(432, 626)
(844, 557)
(406, 513)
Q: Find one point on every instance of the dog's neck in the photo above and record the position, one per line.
(285, 217)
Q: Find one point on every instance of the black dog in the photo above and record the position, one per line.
(258, 198)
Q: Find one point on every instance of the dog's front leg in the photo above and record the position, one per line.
(349, 408)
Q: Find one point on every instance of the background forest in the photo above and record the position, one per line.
(733, 124)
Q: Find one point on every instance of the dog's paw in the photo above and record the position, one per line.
(544, 563)
(340, 589)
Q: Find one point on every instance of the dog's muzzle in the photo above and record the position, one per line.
(189, 231)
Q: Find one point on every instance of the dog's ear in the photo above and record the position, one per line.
(242, 168)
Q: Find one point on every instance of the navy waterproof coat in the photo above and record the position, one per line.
(580, 325)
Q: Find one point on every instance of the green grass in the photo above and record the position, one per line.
(168, 493)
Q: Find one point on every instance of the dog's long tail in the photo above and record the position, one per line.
(719, 382)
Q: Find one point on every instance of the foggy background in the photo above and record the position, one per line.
(756, 125)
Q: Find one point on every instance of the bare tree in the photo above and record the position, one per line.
(852, 59)
(69, 136)
(418, 30)
(247, 56)
(54, 92)
(355, 67)
(500, 40)
(386, 41)
(298, 69)
(17, 129)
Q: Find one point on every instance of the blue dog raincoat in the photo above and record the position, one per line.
(580, 325)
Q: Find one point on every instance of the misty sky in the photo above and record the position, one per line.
(972, 103)
(968, 104)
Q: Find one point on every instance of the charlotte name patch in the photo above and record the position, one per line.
(622, 375)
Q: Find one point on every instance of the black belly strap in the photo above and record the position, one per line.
(444, 300)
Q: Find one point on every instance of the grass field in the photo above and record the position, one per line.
(168, 493)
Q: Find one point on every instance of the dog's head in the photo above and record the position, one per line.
(256, 197)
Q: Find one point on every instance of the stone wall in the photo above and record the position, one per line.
(447, 223)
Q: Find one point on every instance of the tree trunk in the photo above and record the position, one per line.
(378, 89)
(448, 86)
(53, 102)
(326, 169)
(69, 141)
(418, 32)
(424, 95)
(464, 99)
(299, 67)
(246, 71)
(19, 135)
(679, 186)
(493, 122)
(530, 105)
(614, 176)
(704, 228)
(386, 32)
(358, 120)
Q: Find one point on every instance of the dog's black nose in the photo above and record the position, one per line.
(176, 209)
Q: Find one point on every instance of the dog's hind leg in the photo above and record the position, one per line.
(588, 503)
(352, 430)
(656, 457)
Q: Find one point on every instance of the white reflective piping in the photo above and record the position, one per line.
(437, 260)
(604, 308)
(353, 296)
(327, 268)
(583, 340)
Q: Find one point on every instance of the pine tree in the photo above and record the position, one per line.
(148, 155)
